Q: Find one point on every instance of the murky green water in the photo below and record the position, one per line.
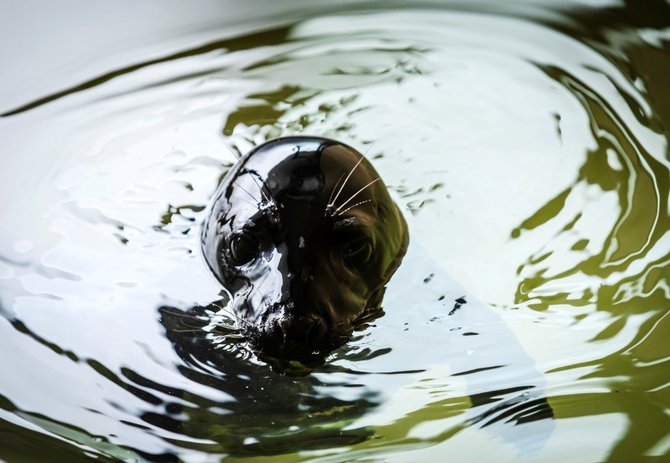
(528, 146)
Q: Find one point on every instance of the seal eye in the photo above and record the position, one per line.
(243, 249)
(357, 252)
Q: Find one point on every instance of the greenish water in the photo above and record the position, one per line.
(527, 145)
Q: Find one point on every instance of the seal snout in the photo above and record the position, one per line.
(294, 336)
(308, 330)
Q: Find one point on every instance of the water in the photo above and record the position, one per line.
(527, 145)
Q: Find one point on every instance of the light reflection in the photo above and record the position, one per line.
(528, 147)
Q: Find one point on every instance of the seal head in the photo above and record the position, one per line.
(304, 235)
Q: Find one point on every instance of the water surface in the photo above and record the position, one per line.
(526, 145)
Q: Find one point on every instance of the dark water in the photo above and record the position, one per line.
(527, 145)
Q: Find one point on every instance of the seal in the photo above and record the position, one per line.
(304, 235)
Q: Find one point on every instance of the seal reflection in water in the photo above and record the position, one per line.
(304, 235)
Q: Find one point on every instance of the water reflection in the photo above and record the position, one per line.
(529, 149)
(300, 417)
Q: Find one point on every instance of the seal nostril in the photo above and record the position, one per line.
(325, 312)
(315, 330)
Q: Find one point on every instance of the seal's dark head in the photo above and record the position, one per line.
(304, 235)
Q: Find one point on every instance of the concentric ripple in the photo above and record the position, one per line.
(529, 151)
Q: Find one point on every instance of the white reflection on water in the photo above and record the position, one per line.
(102, 194)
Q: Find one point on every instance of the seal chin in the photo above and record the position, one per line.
(306, 338)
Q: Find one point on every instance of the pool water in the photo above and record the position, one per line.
(526, 144)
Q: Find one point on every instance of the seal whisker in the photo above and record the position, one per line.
(247, 192)
(253, 173)
(356, 194)
(255, 205)
(372, 145)
(239, 321)
(236, 155)
(221, 306)
(224, 329)
(365, 317)
(357, 204)
(346, 180)
(228, 312)
(224, 311)
(272, 198)
(187, 316)
(332, 193)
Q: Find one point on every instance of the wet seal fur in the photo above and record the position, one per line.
(303, 234)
